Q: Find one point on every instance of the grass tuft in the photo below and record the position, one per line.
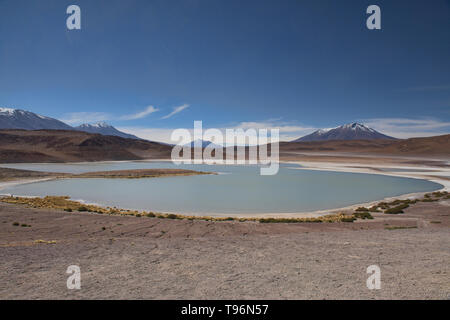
(400, 227)
(45, 241)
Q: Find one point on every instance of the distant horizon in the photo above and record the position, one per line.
(313, 130)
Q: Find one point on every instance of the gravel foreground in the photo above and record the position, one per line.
(149, 258)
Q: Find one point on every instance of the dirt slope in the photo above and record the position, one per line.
(70, 146)
(430, 146)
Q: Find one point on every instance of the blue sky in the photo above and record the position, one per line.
(148, 67)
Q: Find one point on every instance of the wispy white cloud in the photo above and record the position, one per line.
(288, 131)
(175, 111)
(140, 115)
(408, 128)
(76, 118)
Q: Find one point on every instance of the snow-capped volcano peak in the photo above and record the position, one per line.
(101, 124)
(323, 131)
(104, 129)
(202, 143)
(357, 126)
(26, 120)
(349, 131)
(9, 111)
(20, 119)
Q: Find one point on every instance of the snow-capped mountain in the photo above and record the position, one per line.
(351, 131)
(203, 143)
(27, 120)
(21, 119)
(104, 129)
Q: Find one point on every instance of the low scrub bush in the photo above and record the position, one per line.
(363, 215)
(397, 209)
(429, 200)
(383, 205)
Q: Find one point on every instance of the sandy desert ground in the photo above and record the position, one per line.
(150, 258)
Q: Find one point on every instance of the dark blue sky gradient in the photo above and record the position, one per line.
(310, 62)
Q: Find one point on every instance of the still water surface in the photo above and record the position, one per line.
(237, 189)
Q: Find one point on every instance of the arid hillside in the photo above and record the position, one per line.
(70, 146)
(423, 147)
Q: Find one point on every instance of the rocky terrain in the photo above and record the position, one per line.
(125, 257)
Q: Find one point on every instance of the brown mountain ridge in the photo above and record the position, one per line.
(22, 146)
(18, 146)
(424, 147)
